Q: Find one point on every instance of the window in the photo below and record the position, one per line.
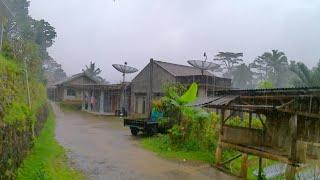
(71, 92)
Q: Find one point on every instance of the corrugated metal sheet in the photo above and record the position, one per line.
(223, 101)
(181, 70)
(213, 101)
(203, 101)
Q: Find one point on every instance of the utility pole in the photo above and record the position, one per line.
(27, 81)
(1, 34)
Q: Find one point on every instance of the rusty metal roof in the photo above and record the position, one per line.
(181, 70)
(214, 101)
(271, 92)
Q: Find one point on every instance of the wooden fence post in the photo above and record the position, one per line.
(219, 148)
(244, 166)
(291, 168)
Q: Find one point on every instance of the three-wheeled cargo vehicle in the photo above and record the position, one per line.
(148, 126)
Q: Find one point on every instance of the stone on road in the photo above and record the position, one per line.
(103, 149)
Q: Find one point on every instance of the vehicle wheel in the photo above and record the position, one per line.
(134, 131)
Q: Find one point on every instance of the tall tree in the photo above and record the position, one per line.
(242, 76)
(305, 77)
(44, 33)
(228, 60)
(260, 68)
(276, 67)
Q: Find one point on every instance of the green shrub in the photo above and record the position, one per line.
(176, 135)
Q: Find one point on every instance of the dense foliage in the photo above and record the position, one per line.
(271, 67)
(19, 120)
(23, 105)
(28, 39)
(193, 132)
(191, 128)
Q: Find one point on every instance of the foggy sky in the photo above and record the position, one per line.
(108, 32)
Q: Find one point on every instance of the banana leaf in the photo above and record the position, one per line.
(190, 95)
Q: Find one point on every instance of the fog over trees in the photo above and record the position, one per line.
(272, 68)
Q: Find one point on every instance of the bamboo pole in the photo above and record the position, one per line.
(256, 152)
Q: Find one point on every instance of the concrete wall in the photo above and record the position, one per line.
(240, 135)
(278, 130)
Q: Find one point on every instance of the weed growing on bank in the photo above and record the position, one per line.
(47, 159)
(187, 152)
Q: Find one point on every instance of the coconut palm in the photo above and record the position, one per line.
(305, 77)
(91, 70)
(276, 65)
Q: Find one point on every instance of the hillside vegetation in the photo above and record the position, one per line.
(20, 121)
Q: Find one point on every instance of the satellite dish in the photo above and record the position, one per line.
(124, 69)
(203, 65)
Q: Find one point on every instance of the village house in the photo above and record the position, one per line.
(149, 83)
(104, 98)
(71, 89)
(91, 94)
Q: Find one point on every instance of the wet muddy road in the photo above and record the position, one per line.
(103, 149)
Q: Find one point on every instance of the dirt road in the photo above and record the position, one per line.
(103, 149)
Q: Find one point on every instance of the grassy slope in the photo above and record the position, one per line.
(161, 146)
(47, 159)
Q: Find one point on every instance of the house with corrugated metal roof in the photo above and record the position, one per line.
(71, 89)
(146, 86)
(149, 83)
(93, 94)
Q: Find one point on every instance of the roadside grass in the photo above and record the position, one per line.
(69, 106)
(47, 159)
(162, 147)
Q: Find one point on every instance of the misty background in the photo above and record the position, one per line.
(107, 31)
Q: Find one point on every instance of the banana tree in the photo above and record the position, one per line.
(175, 104)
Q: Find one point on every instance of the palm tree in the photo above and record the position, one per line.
(305, 77)
(91, 70)
(276, 65)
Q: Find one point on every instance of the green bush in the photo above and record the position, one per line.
(176, 135)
